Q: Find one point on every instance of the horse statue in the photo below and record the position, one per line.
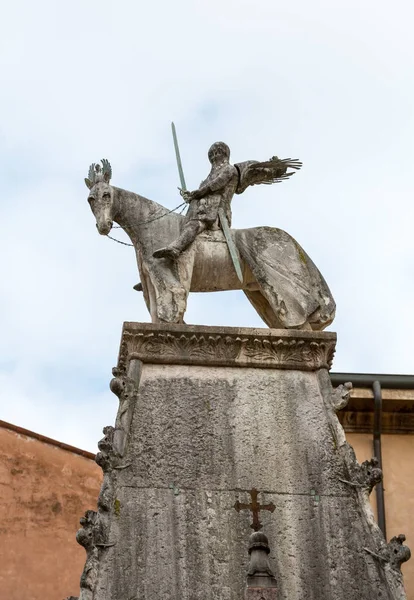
(277, 276)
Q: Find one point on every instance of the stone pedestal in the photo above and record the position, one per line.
(206, 415)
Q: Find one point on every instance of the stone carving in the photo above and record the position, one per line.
(254, 507)
(166, 347)
(261, 583)
(259, 551)
(278, 277)
(362, 478)
(391, 556)
(125, 389)
(226, 346)
(93, 535)
(370, 474)
(88, 536)
(211, 202)
(395, 553)
(96, 526)
(107, 459)
(106, 456)
(289, 352)
(340, 396)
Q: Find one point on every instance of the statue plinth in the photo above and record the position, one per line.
(220, 430)
(226, 347)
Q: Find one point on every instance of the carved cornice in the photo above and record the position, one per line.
(397, 411)
(226, 346)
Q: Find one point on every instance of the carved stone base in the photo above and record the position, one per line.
(207, 416)
(226, 347)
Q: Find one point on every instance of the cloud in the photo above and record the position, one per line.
(329, 83)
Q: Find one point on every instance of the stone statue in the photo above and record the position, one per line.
(198, 252)
(217, 192)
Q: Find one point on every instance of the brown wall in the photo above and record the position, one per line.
(398, 467)
(44, 490)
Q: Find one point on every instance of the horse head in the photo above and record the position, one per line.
(101, 195)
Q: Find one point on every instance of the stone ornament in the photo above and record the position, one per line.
(362, 478)
(226, 346)
(261, 582)
(396, 553)
(96, 529)
(254, 507)
(88, 537)
(106, 455)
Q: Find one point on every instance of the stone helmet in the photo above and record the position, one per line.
(218, 148)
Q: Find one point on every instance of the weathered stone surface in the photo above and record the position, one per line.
(261, 594)
(198, 252)
(233, 429)
(199, 439)
(190, 543)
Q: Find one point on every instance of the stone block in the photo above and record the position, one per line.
(217, 413)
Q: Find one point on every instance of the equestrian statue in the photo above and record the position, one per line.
(199, 252)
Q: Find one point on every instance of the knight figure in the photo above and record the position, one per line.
(217, 191)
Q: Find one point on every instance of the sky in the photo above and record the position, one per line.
(330, 82)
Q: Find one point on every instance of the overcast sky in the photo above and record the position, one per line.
(330, 82)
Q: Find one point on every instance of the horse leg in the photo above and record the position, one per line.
(263, 308)
(181, 289)
(168, 300)
(172, 305)
(153, 306)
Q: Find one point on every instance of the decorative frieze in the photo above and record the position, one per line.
(226, 346)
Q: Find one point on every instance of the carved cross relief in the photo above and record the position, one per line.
(255, 507)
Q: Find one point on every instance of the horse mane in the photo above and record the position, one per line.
(151, 204)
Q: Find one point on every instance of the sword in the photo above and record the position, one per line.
(223, 219)
(230, 244)
(178, 157)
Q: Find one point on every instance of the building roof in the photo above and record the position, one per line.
(46, 440)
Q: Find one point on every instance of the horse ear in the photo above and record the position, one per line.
(88, 183)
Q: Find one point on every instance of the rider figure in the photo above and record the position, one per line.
(214, 192)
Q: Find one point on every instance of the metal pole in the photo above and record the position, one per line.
(379, 489)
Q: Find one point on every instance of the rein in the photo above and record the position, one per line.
(145, 222)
